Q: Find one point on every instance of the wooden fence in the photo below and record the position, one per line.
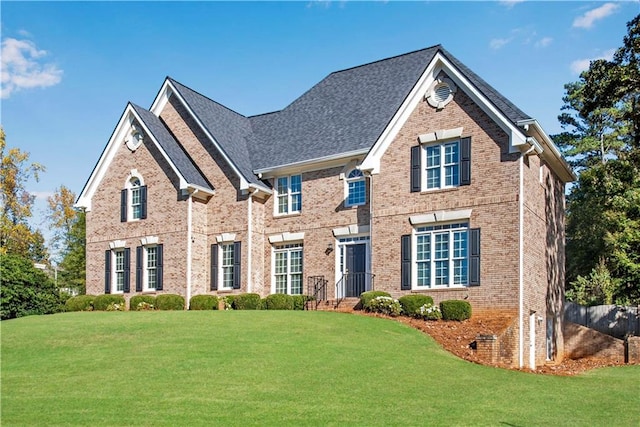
(617, 321)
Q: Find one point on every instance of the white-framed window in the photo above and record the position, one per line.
(356, 188)
(287, 269)
(442, 165)
(227, 263)
(151, 265)
(441, 255)
(118, 271)
(135, 199)
(288, 194)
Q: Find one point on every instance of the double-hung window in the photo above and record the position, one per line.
(119, 271)
(356, 188)
(289, 194)
(225, 265)
(136, 200)
(133, 200)
(442, 255)
(116, 270)
(288, 269)
(442, 165)
(149, 268)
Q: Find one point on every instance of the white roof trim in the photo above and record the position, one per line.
(311, 165)
(438, 64)
(161, 100)
(101, 168)
(552, 156)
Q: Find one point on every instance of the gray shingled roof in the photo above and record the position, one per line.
(230, 129)
(176, 154)
(347, 111)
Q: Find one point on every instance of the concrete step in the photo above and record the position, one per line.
(346, 304)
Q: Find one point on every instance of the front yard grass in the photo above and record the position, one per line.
(277, 368)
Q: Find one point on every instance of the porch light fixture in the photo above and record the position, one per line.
(329, 249)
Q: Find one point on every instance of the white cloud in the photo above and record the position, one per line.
(580, 65)
(544, 42)
(496, 44)
(510, 3)
(41, 195)
(587, 20)
(23, 67)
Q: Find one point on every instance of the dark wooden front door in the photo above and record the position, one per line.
(355, 271)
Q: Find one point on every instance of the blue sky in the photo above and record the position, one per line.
(69, 68)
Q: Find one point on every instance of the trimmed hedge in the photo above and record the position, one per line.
(80, 303)
(102, 302)
(142, 302)
(169, 302)
(300, 300)
(247, 301)
(278, 302)
(411, 304)
(455, 310)
(366, 297)
(203, 302)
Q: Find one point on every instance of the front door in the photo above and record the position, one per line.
(355, 270)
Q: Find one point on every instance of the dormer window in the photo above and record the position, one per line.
(133, 199)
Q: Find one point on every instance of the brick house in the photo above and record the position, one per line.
(408, 174)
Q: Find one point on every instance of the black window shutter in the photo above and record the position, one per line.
(465, 161)
(123, 205)
(237, 253)
(107, 272)
(127, 270)
(139, 265)
(416, 185)
(474, 257)
(405, 255)
(143, 202)
(214, 267)
(159, 268)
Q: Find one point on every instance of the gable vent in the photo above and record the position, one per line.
(441, 92)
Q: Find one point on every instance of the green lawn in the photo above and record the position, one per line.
(278, 368)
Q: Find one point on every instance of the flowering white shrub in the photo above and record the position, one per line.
(430, 312)
(143, 306)
(114, 306)
(385, 305)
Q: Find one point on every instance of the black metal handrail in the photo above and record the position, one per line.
(351, 285)
(317, 289)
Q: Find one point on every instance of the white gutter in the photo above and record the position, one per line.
(521, 260)
(250, 237)
(305, 163)
(189, 243)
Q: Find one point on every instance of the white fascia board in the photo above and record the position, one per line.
(109, 152)
(552, 155)
(311, 165)
(438, 63)
(160, 102)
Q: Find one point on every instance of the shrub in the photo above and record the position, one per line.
(246, 302)
(300, 300)
(169, 302)
(455, 310)
(411, 304)
(142, 302)
(228, 301)
(430, 312)
(278, 302)
(25, 290)
(365, 297)
(116, 306)
(203, 302)
(80, 303)
(384, 305)
(102, 302)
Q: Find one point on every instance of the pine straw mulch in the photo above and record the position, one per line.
(457, 338)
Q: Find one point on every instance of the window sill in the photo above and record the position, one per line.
(287, 215)
(439, 190)
(440, 289)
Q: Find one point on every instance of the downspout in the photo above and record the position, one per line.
(371, 228)
(521, 256)
(250, 238)
(189, 242)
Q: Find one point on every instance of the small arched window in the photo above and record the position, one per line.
(356, 188)
(133, 200)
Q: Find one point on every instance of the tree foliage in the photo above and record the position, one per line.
(16, 236)
(601, 119)
(25, 290)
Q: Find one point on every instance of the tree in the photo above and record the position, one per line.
(601, 122)
(68, 226)
(16, 236)
(25, 290)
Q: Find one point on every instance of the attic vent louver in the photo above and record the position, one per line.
(441, 92)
